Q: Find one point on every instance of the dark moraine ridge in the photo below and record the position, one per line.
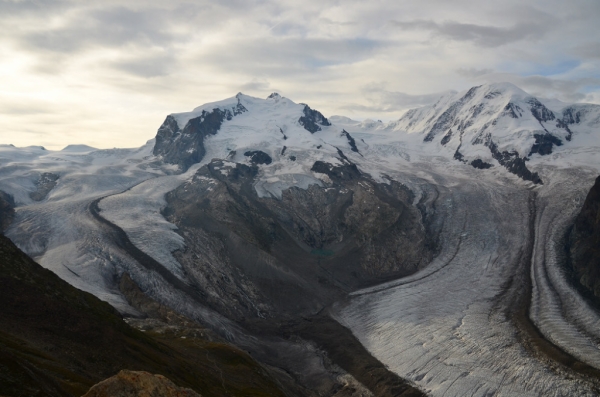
(346, 351)
(528, 333)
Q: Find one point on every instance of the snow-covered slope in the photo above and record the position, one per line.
(293, 137)
(500, 123)
(52, 191)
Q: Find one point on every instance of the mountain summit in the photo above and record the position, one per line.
(499, 121)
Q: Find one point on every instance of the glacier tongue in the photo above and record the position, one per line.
(456, 327)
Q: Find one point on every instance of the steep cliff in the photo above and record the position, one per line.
(584, 242)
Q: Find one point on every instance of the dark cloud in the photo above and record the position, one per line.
(13, 9)
(485, 36)
(588, 50)
(473, 72)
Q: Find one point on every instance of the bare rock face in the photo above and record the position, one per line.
(311, 120)
(584, 242)
(138, 384)
(184, 145)
(260, 257)
(44, 185)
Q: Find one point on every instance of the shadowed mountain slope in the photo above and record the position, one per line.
(56, 340)
(584, 242)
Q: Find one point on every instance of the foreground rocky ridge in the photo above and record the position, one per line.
(138, 383)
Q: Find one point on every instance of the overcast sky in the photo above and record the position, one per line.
(107, 73)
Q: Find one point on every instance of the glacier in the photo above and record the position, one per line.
(469, 323)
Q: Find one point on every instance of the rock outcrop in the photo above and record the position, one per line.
(584, 242)
(312, 120)
(44, 185)
(183, 145)
(138, 384)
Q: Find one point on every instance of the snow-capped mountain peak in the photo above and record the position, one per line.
(271, 125)
(498, 122)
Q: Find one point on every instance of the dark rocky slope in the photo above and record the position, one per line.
(46, 182)
(56, 340)
(255, 258)
(7, 210)
(584, 242)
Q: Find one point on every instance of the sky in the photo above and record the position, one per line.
(107, 73)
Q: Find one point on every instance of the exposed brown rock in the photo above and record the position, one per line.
(138, 384)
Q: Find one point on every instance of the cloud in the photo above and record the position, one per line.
(588, 50)
(147, 66)
(473, 72)
(289, 56)
(568, 90)
(24, 8)
(481, 35)
(256, 85)
(548, 87)
(113, 27)
(386, 101)
(26, 109)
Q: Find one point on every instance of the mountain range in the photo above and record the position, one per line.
(349, 257)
